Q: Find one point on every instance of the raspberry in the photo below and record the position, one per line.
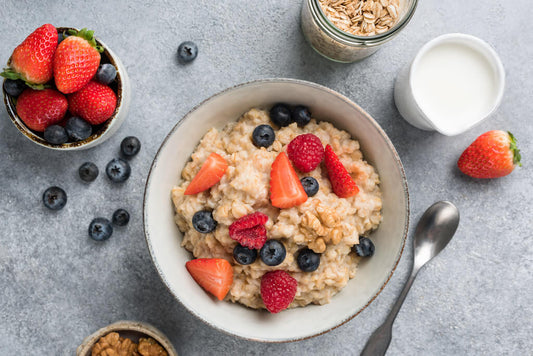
(278, 289)
(306, 152)
(341, 182)
(250, 230)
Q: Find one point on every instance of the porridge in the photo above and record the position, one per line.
(327, 227)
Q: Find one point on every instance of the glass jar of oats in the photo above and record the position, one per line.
(350, 30)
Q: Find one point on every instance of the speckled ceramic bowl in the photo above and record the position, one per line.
(164, 238)
(129, 329)
(122, 88)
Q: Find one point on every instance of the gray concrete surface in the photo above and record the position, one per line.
(57, 286)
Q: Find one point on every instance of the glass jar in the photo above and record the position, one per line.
(340, 46)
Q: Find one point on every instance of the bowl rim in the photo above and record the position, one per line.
(29, 134)
(267, 81)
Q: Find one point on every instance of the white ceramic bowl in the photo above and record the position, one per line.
(164, 238)
(122, 88)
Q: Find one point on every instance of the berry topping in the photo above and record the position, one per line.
(121, 217)
(492, 155)
(306, 152)
(55, 134)
(244, 255)
(95, 102)
(14, 87)
(250, 230)
(100, 229)
(215, 275)
(41, 108)
(203, 221)
(365, 248)
(301, 115)
(78, 129)
(310, 186)
(278, 289)
(130, 146)
(54, 198)
(273, 253)
(341, 182)
(280, 114)
(263, 136)
(187, 51)
(308, 260)
(88, 172)
(286, 190)
(209, 174)
(118, 170)
(106, 73)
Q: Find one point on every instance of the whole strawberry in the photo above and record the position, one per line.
(32, 60)
(278, 289)
(493, 154)
(95, 103)
(41, 108)
(76, 61)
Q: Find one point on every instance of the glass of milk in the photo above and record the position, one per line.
(454, 82)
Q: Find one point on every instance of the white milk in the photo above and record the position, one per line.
(454, 85)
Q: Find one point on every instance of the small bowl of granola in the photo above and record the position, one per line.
(127, 338)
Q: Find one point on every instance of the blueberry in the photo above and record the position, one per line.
(88, 172)
(118, 170)
(61, 36)
(55, 134)
(310, 185)
(263, 136)
(203, 221)
(187, 51)
(130, 146)
(301, 115)
(100, 229)
(244, 255)
(121, 217)
(14, 87)
(106, 73)
(272, 253)
(54, 198)
(280, 114)
(365, 248)
(78, 129)
(308, 261)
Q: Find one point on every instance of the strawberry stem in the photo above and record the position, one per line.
(87, 35)
(9, 73)
(516, 152)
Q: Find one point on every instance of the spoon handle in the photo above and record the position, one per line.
(379, 341)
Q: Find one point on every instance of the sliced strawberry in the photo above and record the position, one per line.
(210, 174)
(286, 190)
(342, 183)
(250, 230)
(215, 275)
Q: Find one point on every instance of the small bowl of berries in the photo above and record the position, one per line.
(64, 89)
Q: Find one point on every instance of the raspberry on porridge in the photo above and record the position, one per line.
(324, 223)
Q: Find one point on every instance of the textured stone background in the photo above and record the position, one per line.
(57, 286)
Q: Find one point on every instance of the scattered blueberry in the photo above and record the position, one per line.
(78, 129)
(54, 198)
(187, 51)
(301, 115)
(244, 255)
(55, 134)
(88, 172)
(365, 248)
(308, 260)
(130, 146)
(121, 217)
(310, 185)
(280, 114)
(263, 136)
(203, 221)
(106, 73)
(100, 229)
(272, 253)
(14, 87)
(118, 170)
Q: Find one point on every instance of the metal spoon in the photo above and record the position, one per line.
(433, 232)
